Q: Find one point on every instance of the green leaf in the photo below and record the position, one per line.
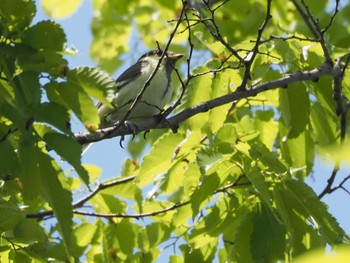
(220, 87)
(203, 194)
(54, 114)
(16, 15)
(81, 104)
(326, 224)
(10, 216)
(45, 35)
(295, 108)
(191, 179)
(242, 250)
(27, 90)
(213, 45)
(84, 234)
(30, 172)
(157, 233)
(29, 231)
(59, 198)
(300, 154)
(226, 138)
(268, 128)
(67, 147)
(59, 9)
(126, 236)
(267, 232)
(9, 165)
(198, 90)
(306, 218)
(159, 158)
(260, 183)
(94, 82)
(324, 125)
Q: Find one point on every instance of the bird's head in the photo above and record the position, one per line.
(168, 61)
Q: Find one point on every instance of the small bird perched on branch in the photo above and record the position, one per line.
(132, 82)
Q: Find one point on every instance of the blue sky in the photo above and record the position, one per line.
(108, 154)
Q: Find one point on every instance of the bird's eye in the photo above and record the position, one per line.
(159, 52)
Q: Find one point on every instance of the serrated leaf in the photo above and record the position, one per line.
(203, 194)
(84, 234)
(59, 198)
(327, 224)
(9, 165)
(69, 149)
(198, 90)
(258, 181)
(126, 236)
(17, 14)
(157, 233)
(94, 82)
(29, 231)
(191, 179)
(45, 35)
(242, 236)
(220, 87)
(10, 216)
(54, 114)
(81, 104)
(30, 172)
(324, 125)
(27, 90)
(267, 232)
(159, 158)
(295, 108)
(268, 128)
(300, 154)
(226, 138)
(213, 45)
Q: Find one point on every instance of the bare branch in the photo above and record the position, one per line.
(285, 38)
(214, 29)
(306, 18)
(330, 181)
(255, 49)
(336, 10)
(8, 133)
(314, 26)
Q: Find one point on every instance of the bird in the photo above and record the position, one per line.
(132, 81)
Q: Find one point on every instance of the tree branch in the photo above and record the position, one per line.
(47, 214)
(137, 216)
(174, 121)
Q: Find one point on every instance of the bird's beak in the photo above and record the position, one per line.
(175, 57)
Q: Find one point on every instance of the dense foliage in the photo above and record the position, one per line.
(221, 179)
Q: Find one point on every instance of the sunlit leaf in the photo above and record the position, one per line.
(59, 9)
(159, 158)
(45, 35)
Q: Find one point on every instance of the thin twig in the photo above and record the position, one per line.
(137, 216)
(82, 201)
(255, 49)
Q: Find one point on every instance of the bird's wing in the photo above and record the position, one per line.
(128, 75)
